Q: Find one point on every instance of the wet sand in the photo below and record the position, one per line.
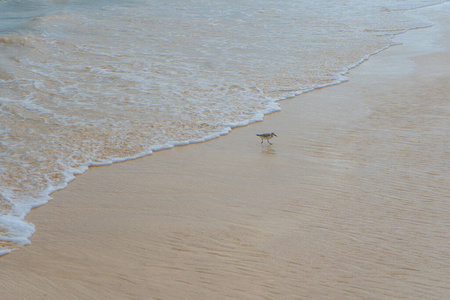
(350, 202)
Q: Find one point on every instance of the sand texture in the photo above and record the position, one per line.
(350, 202)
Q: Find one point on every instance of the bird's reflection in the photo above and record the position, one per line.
(267, 150)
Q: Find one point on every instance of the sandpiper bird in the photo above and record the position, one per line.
(266, 136)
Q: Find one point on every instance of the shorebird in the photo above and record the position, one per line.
(266, 136)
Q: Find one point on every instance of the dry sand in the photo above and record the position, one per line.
(351, 202)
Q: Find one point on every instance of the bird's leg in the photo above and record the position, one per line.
(269, 142)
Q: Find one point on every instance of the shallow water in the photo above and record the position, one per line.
(85, 84)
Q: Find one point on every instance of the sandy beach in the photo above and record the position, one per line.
(350, 202)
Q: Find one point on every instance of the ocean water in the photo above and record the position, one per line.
(86, 83)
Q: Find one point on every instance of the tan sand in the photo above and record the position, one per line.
(351, 202)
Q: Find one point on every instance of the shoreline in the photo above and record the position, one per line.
(337, 206)
(259, 117)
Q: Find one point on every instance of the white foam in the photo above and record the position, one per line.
(18, 230)
(3, 252)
